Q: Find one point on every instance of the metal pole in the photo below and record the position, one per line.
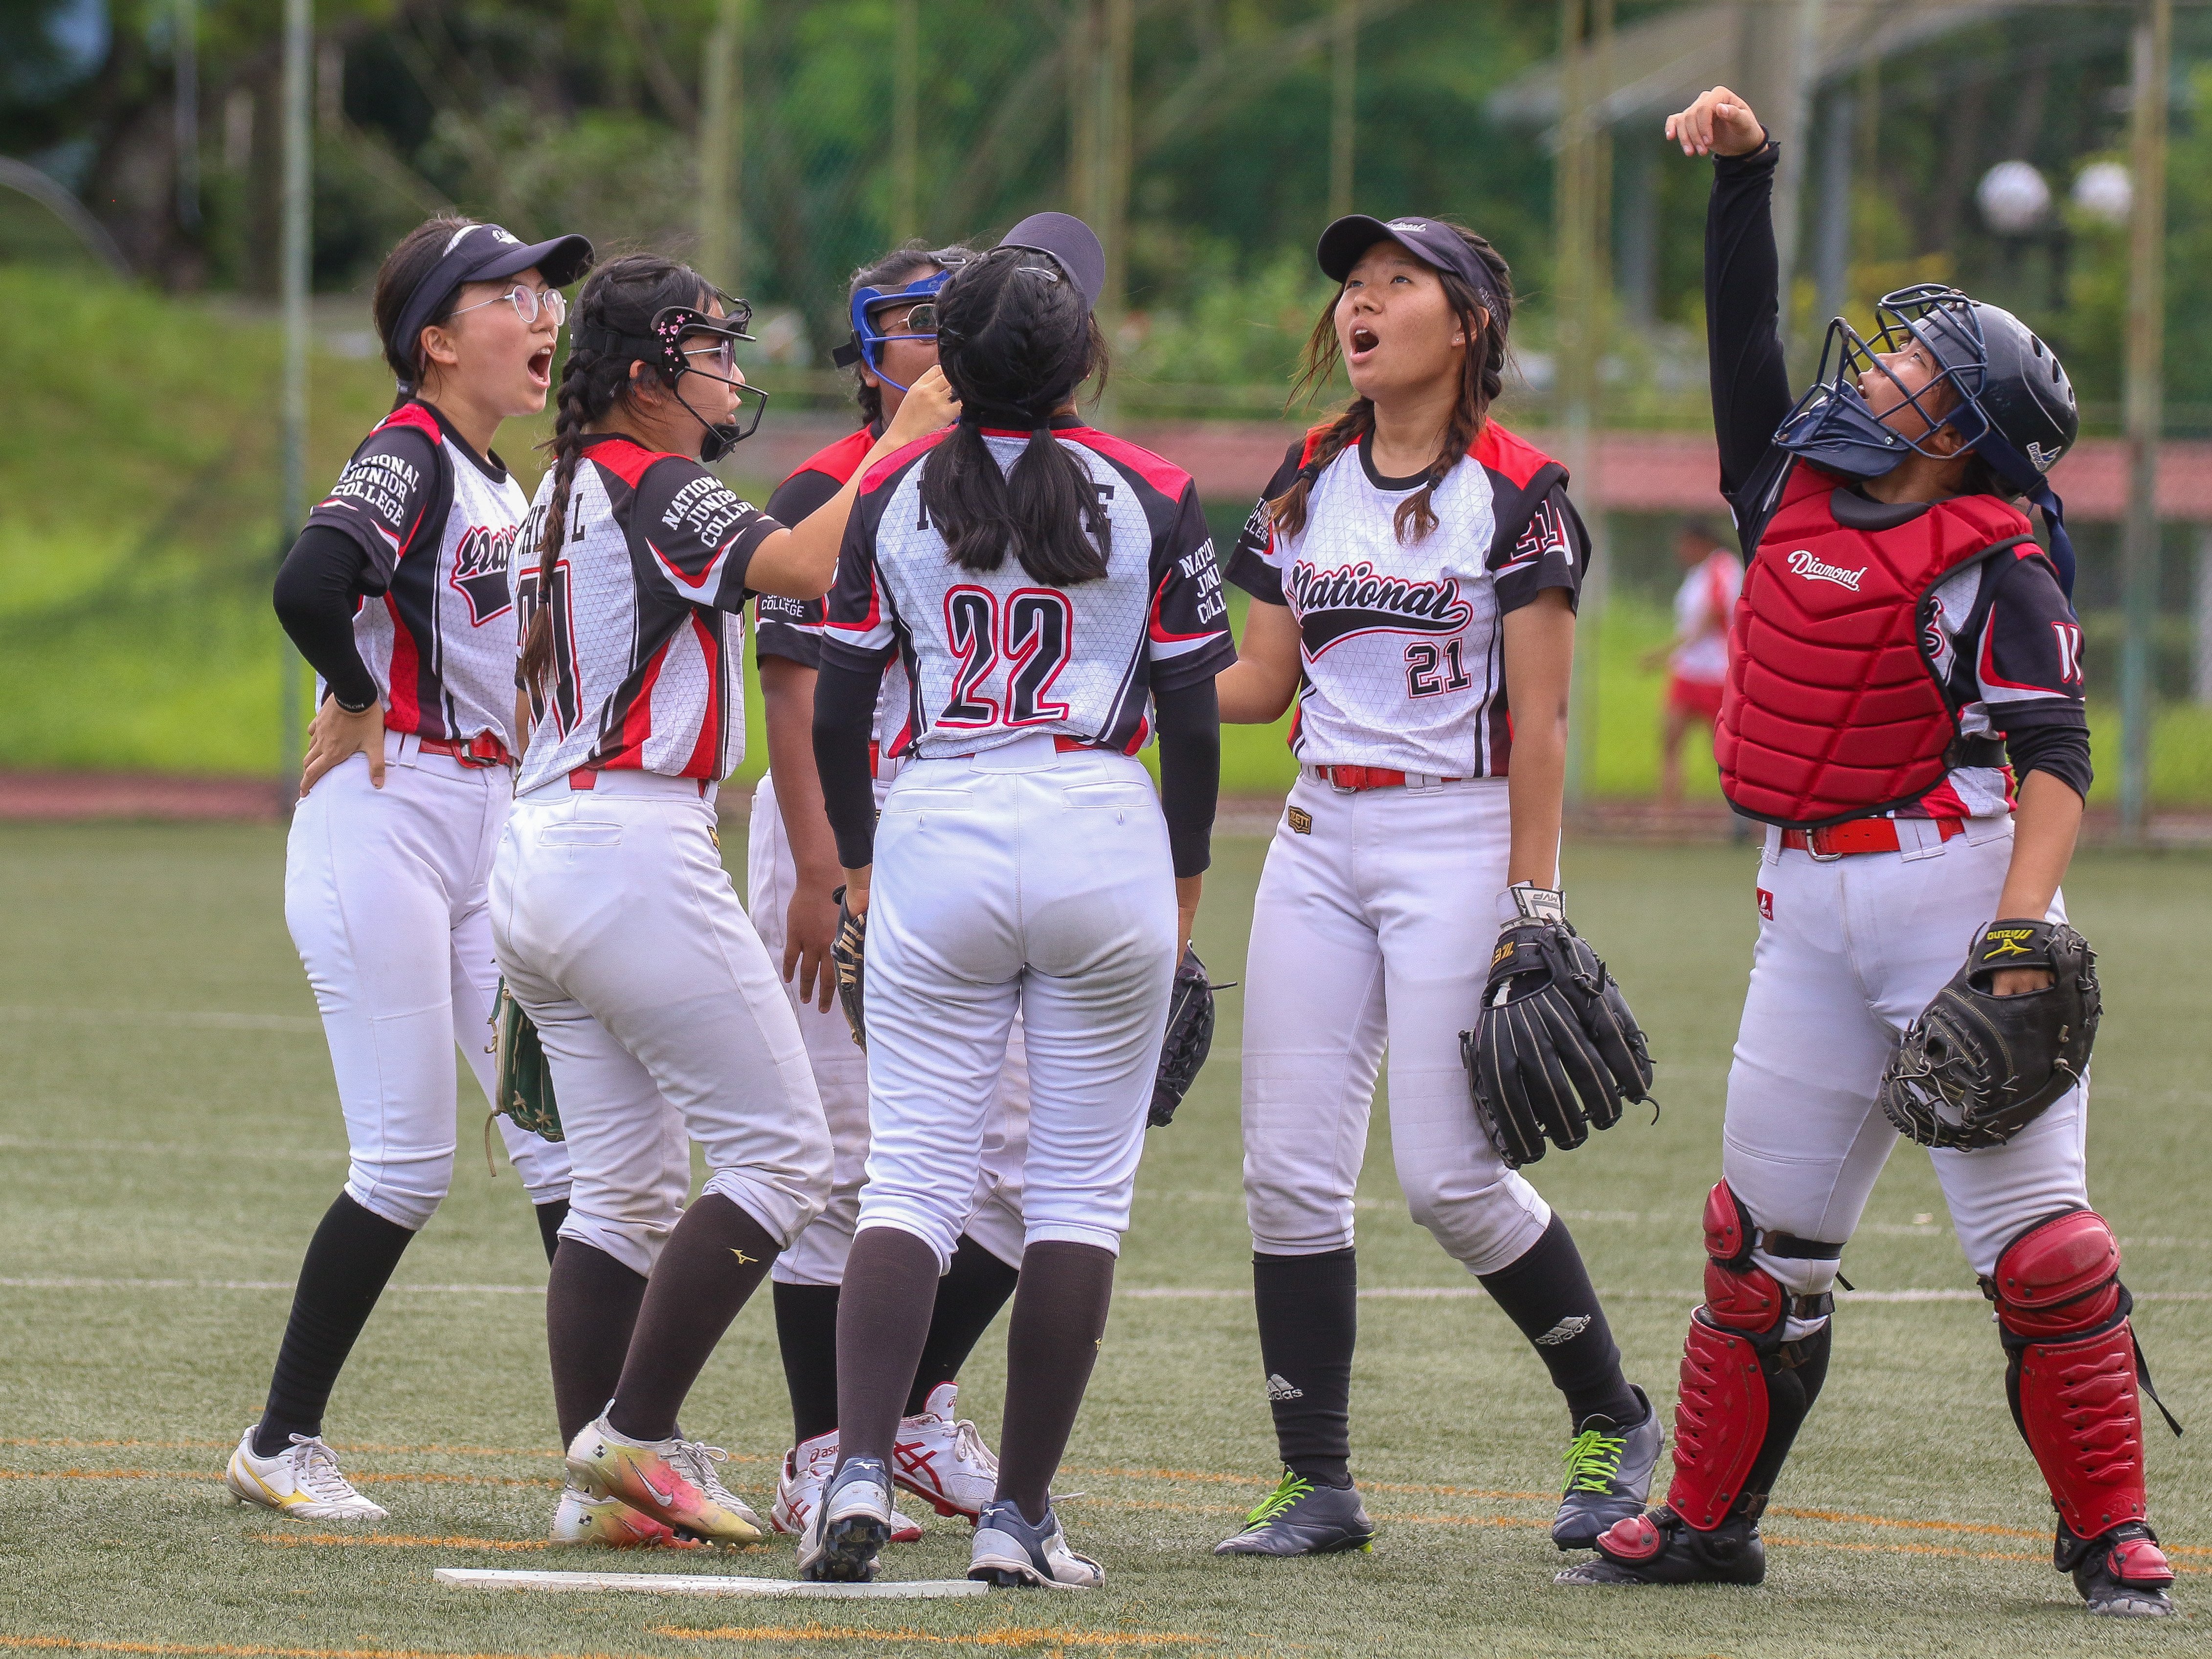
(1082, 54)
(1117, 143)
(720, 142)
(299, 42)
(188, 115)
(2141, 397)
(906, 120)
(1831, 235)
(1586, 46)
(1344, 115)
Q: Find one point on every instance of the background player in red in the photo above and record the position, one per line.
(791, 860)
(662, 1017)
(1414, 567)
(1697, 656)
(1904, 710)
(396, 593)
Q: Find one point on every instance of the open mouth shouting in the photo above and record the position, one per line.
(541, 367)
(1364, 342)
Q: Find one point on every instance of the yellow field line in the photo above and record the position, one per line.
(400, 1541)
(1001, 1637)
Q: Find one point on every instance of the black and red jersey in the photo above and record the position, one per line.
(791, 629)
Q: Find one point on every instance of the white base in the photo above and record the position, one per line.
(686, 1583)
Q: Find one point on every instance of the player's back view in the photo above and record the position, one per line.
(1047, 586)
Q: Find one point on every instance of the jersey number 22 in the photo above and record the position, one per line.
(1028, 636)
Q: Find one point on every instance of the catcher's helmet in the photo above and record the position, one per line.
(2008, 398)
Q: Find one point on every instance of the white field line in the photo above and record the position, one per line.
(671, 1584)
(170, 1148)
(118, 1018)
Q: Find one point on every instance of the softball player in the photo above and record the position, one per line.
(793, 873)
(615, 923)
(1696, 659)
(1903, 710)
(1048, 589)
(1415, 567)
(397, 593)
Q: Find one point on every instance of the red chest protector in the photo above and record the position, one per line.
(1832, 709)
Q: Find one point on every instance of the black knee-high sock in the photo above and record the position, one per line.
(1060, 1320)
(591, 1307)
(1546, 1293)
(1308, 1309)
(714, 1259)
(883, 1319)
(551, 1215)
(806, 1334)
(1790, 1392)
(969, 1299)
(349, 1261)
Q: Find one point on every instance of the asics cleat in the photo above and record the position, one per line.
(1014, 1554)
(2122, 1574)
(1608, 1476)
(849, 1527)
(302, 1481)
(806, 1467)
(1301, 1518)
(1660, 1547)
(609, 1523)
(662, 1479)
(940, 1458)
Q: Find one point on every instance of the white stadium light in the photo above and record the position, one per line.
(2105, 190)
(2013, 197)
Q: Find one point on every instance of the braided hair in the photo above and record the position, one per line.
(902, 265)
(621, 298)
(1015, 341)
(402, 272)
(1482, 379)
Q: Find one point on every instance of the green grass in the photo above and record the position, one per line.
(145, 1141)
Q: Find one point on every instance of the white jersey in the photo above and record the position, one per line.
(648, 596)
(993, 656)
(1703, 606)
(1401, 642)
(438, 523)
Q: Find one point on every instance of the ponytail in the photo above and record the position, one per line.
(1482, 372)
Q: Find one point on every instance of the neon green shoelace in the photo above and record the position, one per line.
(1293, 1488)
(1594, 1459)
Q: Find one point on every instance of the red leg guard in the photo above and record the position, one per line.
(1720, 1424)
(2073, 1377)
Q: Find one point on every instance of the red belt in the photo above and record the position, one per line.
(587, 777)
(1859, 836)
(1365, 777)
(482, 750)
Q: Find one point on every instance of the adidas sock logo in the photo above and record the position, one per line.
(1278, 1388)
(1566, 1331)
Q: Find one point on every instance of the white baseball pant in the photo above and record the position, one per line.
(661, 1015)
(384, 893)
(1373, 926)
(1025, 880)
(1849, 952)
(817, 1255)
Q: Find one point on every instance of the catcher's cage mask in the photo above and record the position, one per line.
(866, 346)
(685, 340)
(2008, 398)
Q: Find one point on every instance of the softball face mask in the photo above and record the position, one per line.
(866, 346)
(693, 343)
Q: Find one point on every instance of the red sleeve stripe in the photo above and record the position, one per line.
(1156, 471)
(1515, 458)
(900, 457)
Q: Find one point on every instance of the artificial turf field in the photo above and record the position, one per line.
(169, 1133)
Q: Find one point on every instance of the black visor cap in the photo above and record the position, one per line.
(1345, 241)
(485, 253)
(1071, 244)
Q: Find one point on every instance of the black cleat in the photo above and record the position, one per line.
(1660, 1547)
(1608, 1476)
(2122, 1574)
(1301, 1518)
(851, 1524)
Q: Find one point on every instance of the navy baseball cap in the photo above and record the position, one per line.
(1345, 241)
(1071, 244)
(483, 253)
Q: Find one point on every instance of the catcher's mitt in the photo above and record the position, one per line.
(1975, 1069)
(1555, 1049)
(848, 953)
(525, 1087)
(1189, 1038)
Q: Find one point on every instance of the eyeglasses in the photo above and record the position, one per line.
(527, 303)
(921, 322)
(719, 357)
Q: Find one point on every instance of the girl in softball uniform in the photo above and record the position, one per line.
(1414, 567)
(615, 922)
(397, 593)
(792, 871)
(1051, 590)
(1903, 710)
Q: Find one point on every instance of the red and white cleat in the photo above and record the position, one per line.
(806, 1468)
(941, 1459)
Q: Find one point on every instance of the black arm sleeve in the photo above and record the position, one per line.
(1190, 771)
(1743, 344)
(844, 715)
(2060, 749)
(317, 589)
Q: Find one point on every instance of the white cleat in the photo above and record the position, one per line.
(851, 1524)
(301, 1482)
(941, 1459)
(806, 1467)
(1012, 1554)
(609, 1523)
